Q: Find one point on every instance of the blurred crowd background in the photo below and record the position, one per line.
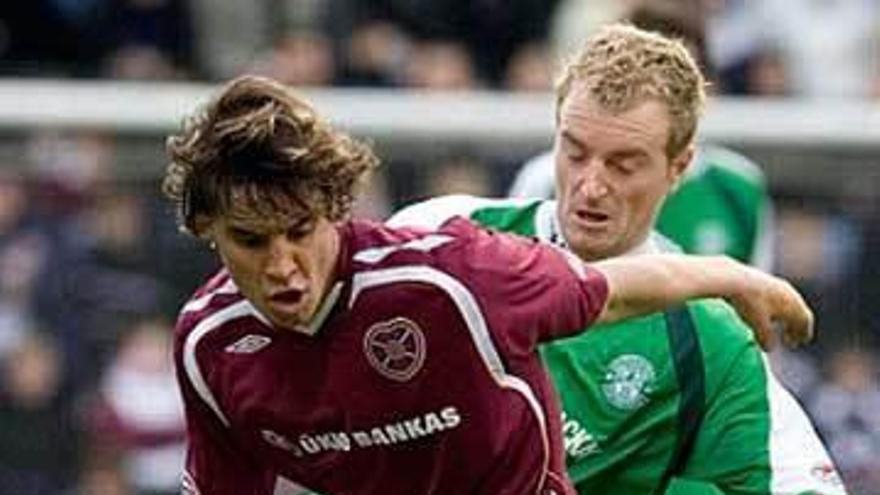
(93, 269)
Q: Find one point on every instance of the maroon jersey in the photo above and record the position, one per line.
(421, 376)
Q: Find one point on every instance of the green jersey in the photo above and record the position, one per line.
(684, 393)
(730, 194)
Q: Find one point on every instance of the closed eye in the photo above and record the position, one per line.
(571, 147)
(247, 238)
(300, 229)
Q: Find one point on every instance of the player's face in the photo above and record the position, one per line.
(612, 174)
(284, 271)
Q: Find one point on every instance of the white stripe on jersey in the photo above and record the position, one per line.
(476, 324)
(424, 244)
(284, 486)
(202, 302)
(190, 362)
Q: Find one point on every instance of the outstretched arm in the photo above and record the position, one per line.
(640, 285)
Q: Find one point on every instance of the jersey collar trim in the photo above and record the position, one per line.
(343, 264)
(320, 316)
(323, 312)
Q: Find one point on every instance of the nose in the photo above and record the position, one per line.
(593, 181)
(281, 259)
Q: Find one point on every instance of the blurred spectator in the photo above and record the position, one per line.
(227, 35)
(156, 34)
(140, 63)
(530, 69)
(439, 65)
(38, 440)
(103, 476)
(766, 75)
(574, 21)
(374, 54)
(681, 19)
(827, 48)
(105, 278)
(817, 248)
(458, 175)
(24, 256)
(845, 411)
(139, 414)
(489, 31)
(300, 58)
(68, 166)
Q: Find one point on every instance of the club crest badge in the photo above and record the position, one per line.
(628, 381)
(395, 348)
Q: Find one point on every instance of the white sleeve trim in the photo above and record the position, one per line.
(190, 360)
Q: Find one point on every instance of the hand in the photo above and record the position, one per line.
(770, 305)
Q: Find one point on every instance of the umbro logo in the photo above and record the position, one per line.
(248, 344)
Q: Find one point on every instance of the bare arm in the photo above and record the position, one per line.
(641, 285)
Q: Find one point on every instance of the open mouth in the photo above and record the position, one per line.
(292, 296)
(591, 216)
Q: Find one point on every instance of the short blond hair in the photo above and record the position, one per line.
(257, 147)
(623, 66)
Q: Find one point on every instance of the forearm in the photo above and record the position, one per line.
(640, 285)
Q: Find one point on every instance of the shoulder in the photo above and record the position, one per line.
(217, 322)
(211, 317)
(435, 212)
(536, 178)
(461, 250)
(217, 293)
(456, 241)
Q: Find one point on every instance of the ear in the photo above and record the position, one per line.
(679, 165)
(203, 228)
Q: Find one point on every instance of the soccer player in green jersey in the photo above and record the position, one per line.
(686, 393)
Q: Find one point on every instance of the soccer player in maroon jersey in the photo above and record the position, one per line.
(347, 357)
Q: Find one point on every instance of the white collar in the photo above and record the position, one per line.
(318, 319)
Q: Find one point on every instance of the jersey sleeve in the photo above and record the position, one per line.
(434, 213)
(532, 291)
(214, 464)
(755, 438)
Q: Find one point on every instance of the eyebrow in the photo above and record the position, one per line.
(573, 140)
(630, 153)
(238, 230)
(303, 223)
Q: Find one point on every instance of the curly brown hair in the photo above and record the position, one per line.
(621, 66)
(259, 150)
